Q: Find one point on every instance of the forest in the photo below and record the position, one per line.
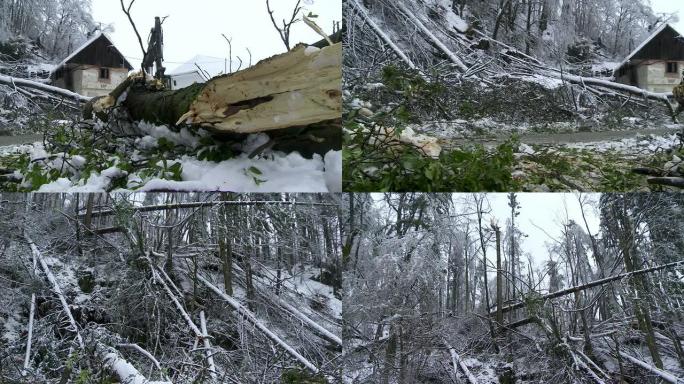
(52, 27)
(170, 288)
(513, 288)
(522, 95)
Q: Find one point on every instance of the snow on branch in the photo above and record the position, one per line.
(145, 353)
(248, 315)
(333, 338)
(123, 369)
(207, 347)
(410, 15)
(670, 378)
(14, 81)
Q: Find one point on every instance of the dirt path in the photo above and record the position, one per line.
(19, 139)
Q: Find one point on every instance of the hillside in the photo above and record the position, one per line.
(169, 288)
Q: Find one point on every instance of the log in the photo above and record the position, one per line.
(56, 288)
(251, 317)
(200, 204)
(458, 363)
(667, 181)
(14, 81)
(364, 14)
(124, 370)
(296, 97)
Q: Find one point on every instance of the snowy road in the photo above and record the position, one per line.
(572, 138)
(19, 139)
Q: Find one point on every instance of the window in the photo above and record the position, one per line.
(672, 67)
(104, 73)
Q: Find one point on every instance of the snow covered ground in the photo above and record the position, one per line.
(272, 171)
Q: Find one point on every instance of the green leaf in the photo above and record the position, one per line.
(255, 170)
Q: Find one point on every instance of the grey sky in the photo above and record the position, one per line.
(671, 6)
(543, 212)
(541, 217)
(195, 27)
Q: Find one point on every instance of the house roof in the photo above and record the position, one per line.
(643, 44)
(213, 65)
(85, 45)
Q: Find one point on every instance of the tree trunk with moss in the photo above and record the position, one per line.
(295, 97)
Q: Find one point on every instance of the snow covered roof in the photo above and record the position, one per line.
(85, 45)
(214, 65)
(641, 46)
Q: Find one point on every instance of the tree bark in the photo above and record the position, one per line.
(499, 279)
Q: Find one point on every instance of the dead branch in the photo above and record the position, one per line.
(285, 31)
(127, 11)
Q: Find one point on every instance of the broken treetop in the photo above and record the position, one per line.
(665, 43)
(98, 50)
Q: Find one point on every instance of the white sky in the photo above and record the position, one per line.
(543, 212)
(195, 27)
(541, 216)
(671, 6)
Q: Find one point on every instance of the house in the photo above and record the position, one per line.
(94, 69)
(656, 64)
(189, 73)
(183, 79)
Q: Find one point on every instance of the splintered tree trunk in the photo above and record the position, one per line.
(297, 93)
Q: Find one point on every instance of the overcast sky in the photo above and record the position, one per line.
(543, 212)
(670, 6)
(195, 27)
(541, 218)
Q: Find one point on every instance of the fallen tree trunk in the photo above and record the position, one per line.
(364, 14)
(124, 370)
(458, 363)
(248, 315)
(211, 203)
(426, 31)
(667, 376)
(56, 288)
(14, 81)
(295, 96)
(592, 284)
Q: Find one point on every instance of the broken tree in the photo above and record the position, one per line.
(295, 97)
